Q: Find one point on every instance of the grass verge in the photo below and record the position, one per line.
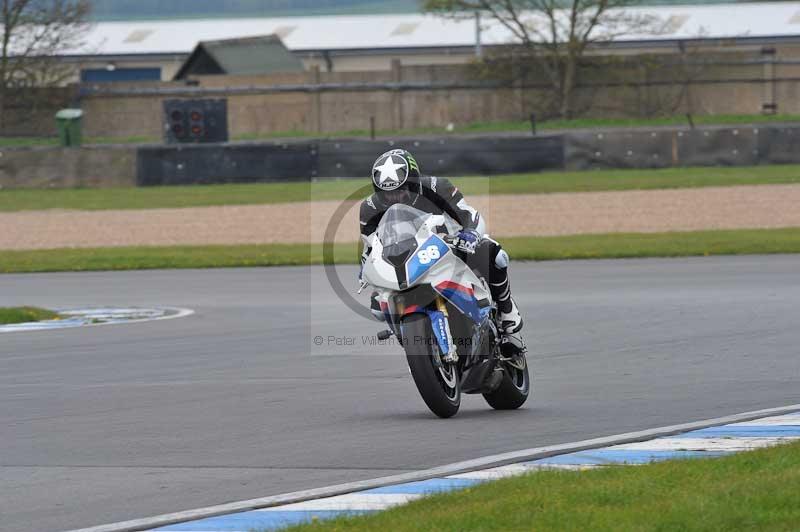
(757, 490)
(606, 246)
(474, 127)
(546, 125)
(248, 194)
(9, 315)
(22, 142)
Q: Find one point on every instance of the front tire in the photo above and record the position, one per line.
(514, 388)
(440, 388)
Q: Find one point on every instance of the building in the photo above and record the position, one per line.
(245, 56)
(156, 50)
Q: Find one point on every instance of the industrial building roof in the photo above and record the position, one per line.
(251, 55)
(681, 22)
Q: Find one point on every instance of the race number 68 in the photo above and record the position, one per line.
(428, 254)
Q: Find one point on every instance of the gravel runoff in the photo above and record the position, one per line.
(764, 206)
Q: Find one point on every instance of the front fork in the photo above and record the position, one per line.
(440, 324)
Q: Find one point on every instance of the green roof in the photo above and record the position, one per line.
(253, 55)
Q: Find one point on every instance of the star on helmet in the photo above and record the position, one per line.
(386, 175)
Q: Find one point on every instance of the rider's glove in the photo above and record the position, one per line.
(467, 240)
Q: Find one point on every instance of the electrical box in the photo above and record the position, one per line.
(195, 121)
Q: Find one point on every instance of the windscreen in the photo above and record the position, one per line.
(400, 223)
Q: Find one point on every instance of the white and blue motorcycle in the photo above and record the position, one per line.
(442, 313)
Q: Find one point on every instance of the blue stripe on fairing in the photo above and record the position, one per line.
(612, 456)
(258, 520)
(464, 302)
(433, 485)
(764, 431)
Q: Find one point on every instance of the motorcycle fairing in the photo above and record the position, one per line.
(379, 272)
(421, 261)
(463, 297)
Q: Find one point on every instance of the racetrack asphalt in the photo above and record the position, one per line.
(110, 423)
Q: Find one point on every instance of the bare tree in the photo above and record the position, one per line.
(556, 33)
(33, 33)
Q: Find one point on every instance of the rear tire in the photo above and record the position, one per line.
(421, 347)
(513, 390)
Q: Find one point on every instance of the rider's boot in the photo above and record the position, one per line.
(509, 324)
(509, 320)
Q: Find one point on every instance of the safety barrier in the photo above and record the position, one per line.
(310, 160)
(674, 147)
(282, 161)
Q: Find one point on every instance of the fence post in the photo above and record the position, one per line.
(770, 103)
(397, 95)
(316, 99)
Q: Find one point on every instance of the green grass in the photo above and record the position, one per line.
(621, 245)
(474, 127)
(21, 142)
(545, 125)
(756, 490)
(591, 123)
(546, 182)
(640, 245)
(143, 258)
(9, 315)
(16, 142)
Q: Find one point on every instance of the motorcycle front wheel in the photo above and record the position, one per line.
(438, 383)
(514, 388)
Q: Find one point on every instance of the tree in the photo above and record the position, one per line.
(33, 33)
(555, 34)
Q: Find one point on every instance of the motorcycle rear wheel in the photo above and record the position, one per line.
(439, 386)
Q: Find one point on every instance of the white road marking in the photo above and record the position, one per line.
(93, 317)
(788, 419)
(349, 503)
(730, 444)
(496, 473)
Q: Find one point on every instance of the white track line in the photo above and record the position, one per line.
(351, 502)
(496, 473)
(60, 325)
(717, 443)
(789, 419)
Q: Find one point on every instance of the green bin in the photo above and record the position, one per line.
(69, 127)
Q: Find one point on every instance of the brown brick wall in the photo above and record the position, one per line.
(331, 111)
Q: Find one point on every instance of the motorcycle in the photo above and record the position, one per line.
(442, 314)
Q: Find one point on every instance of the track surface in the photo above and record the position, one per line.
(118, 422)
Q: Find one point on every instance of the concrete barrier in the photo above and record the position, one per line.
(52, 167)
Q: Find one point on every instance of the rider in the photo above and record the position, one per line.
(396, 179)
